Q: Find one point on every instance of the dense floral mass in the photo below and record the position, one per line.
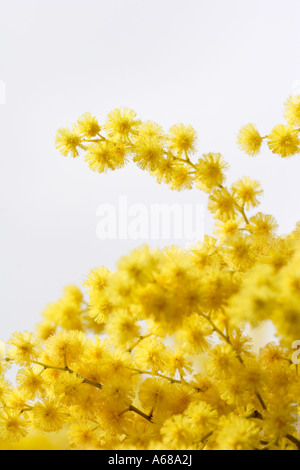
(155, 356)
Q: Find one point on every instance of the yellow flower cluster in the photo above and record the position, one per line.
(283, 140)
(158, 358)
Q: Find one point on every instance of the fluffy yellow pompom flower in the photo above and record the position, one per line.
(247, 191)
(152, 130)
(228, 229)
(152, 354)
(122, 123)
(238, 434)
(271, 353)
(182, 178)
(139, 264)
(31, 383)
(182, 139)
(210, 171)
(100, 309)
(222, 204)
(203, 419)
(176, 432)
(284, 141)
(97, 280)
(73, 292)
(45, 329)
(141, 434)
(263, 224)
(178, 362)
(104, 155)
(154, 394)
(280, 419)
(88, 125)
(164, 170)
(18, 401)
(13, 426)
(48, 416)
(69, 141)
(117, 392)
(26, 348)
(250, 140)
(148, 152)
(66, 313)
(223, 361)
(194, 334)
(292, 110)
(85, 435)
(70, 387)
(239, 254)
(65, 347)
(122, 326)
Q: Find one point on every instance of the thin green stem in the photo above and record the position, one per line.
(146, 372)
(216, 329)
(138, 342)
(242, 211)
(70, 371)
(261, 401)
(182, 160)
(206, 436)
(139, 412)
(228, 341)
(294, 440)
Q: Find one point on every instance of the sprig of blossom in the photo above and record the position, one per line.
(154, 354)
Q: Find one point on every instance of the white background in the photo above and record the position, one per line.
(214, 64)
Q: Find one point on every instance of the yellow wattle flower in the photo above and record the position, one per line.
(156, 354)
